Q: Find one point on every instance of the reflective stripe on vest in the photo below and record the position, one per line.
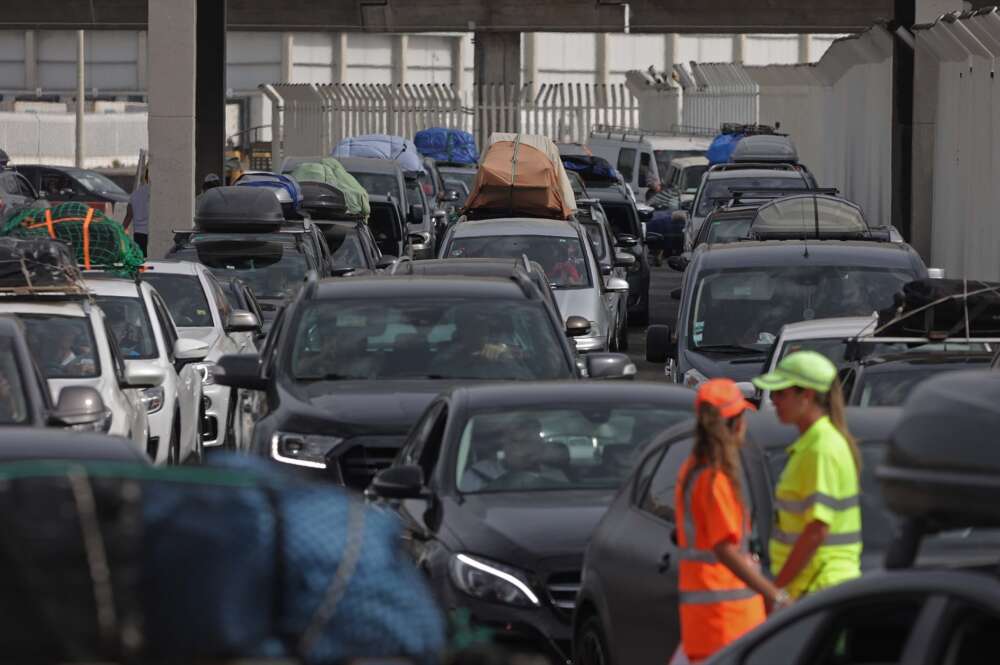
(817, 498)
(788, 538)
(691, 553)
(719, 596)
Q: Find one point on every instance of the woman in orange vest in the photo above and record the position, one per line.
(722, 592)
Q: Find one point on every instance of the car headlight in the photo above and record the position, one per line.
(102, 425)
(152, 398)
(693, 378)
(491, 581)
(205, 371)
(308, 450)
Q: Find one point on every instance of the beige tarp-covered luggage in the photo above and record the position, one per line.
(521, 175)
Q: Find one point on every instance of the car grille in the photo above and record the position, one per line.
(562, 588)
(366, 457)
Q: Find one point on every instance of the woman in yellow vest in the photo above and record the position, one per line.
(816, 538)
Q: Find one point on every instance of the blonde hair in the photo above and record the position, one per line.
(715, 445)
(832, 402)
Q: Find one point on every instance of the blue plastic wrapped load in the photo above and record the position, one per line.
(285, 188)
(382, 146)
(721, 149)
(591, 168)
(449, 146)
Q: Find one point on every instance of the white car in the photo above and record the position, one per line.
(69, 339)
(146, 336)
(200, 310)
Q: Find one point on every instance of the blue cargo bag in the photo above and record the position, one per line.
(721, 149)
(449, 146)
(382, 146)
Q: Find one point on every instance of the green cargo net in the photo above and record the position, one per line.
(98, 242)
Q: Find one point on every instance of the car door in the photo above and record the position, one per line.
(130, 398)
(424, 450)
(188, 378)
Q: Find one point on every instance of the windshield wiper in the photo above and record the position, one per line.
(729, 348)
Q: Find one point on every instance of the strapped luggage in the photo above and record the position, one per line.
(36, 262)
(593, 170)
(447, 146)
(382, 146)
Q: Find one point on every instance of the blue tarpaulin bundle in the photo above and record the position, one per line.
(382, 146)
(591, 168)
(722, 148)
(452, 146)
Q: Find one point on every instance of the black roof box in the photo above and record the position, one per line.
(238, 209)
(765, 148)
(942, 467)
(323, 201)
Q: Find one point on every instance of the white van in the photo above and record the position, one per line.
(642, 156)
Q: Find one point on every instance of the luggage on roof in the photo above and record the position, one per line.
(592, 169)
(447, 146)
(382, 146)
(731, 135)
(36, 262)
(331, 172)
(235, 209)
(765, 148)
(521, 174)
(323, 201)
(940, 308)
(285, 188)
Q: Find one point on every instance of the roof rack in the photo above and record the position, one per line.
(636, 135)
(744, 166)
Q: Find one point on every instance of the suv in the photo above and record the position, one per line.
(735, 298)
(351, 364)
(643, 156)
(888, 379)
(682, 181)
(199, 307)
(144, 330)
(16, 194)
(60, 184)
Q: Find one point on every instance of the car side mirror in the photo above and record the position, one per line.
(399, 482)
(78, 405)
(626, 240)
(577, 326)
(606, 269)
(385, 261)
(659, 344)
(451, 195)
(616, 285)
(240, 320)
(239, 371)
(678, 262)
(143, 374)
(624, 260)
(190, 350)
(610, 366)
(416, 214)
(645, 213)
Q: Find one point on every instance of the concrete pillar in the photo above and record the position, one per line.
(925, 80)
(142, 61)
(805, 49)
(671, 49)
(210, 90)
(739, 47)
(531, 61)
(30, 61)
(172, 43)
(498, 58)
(339, 63)
(458, 57)
(400, 45)
(287, 56)
(81, 96)
(602, 59)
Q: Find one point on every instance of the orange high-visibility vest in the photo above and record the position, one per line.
(716, 606)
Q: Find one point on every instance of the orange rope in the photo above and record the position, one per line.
(86, 238)
(48, 223)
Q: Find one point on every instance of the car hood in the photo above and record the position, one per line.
(716, 365)
(386, 406)
(579, 302)
(523, 527)
(205, 334)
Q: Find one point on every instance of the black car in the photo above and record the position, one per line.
(353, 248)
(627, 225)
(350, 364)
(887, 379)
(60, 184)
(389, 228)
(240, 296)
(499, 488)
(17, 194)
(25, 400)
(627, 607)
(736, 297)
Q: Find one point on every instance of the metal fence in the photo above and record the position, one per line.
(714, 93)
(50, 138)
(314, 117)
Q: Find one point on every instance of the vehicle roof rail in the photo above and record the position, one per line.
(745, 166)
(312, 281)
(524, 281)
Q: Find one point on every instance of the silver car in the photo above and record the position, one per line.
(564, 250)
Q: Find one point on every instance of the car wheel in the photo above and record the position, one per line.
(590, 648)
(174, 451)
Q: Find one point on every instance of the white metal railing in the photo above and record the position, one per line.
(715, 93)
(313, 117)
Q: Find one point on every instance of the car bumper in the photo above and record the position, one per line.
(215, 399)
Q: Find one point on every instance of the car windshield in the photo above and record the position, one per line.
(13, 404)
(725, 230)
(598, 240)
(719, 190)
(562, 258)
(98, 183)
(664, 157)
(380, 184)
(467, 177)
(691, 177)
(63, 346)
(274, 267)
(345, 247)
(443, 338)
(623, 218)
(557, 447)
(130, 325)
(184, 296)
(891, 387)
(747, 307)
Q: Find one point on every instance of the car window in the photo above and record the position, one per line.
(623, 218)
(346, 246)
(221, 302)
(443, 338)
(972, 634)
(54, 182)
(184, 296)
(871, 631)
(689, 179)
(170, 335)
(789, 645)
(647, 174)
(414, 447)
(649, 465)
(63, 346)
(557, 446)
(891, 388)
(116, 359)
(562, 258)
(380, 184)
(719, 190)
(598, 241)
(98, 183)
(659, 497)
(129, 323)
(252, 303)
(9, 183)
(415, 194)
(13, 404)
(23, 186)
(626, 163)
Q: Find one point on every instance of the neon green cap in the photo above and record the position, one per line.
(802, 369)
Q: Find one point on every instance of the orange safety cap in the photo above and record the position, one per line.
(725, 396)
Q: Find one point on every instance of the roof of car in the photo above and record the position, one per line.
(916, 359)
(44, 307)
(404, 286)
(515, 227)
(790, 174)
(748, 253)
(684, 162)
(9, 326)
(111, 286)
(369, 165)
(508, 395)
(612, 193)
(472, 267)
(840, 326)
(34, 443)
(174, 266)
